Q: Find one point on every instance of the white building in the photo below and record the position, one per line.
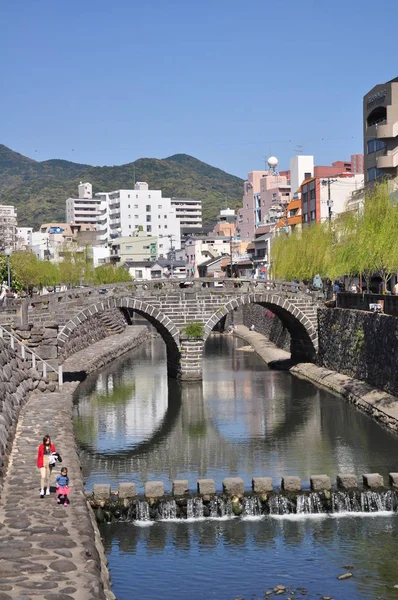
(8, 226)
(130, 210)
(23, 237)
(85, 208)
(301, 168)
(188, 212)
(122, 212)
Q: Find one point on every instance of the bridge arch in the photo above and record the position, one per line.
(303, 331)
(162, 323)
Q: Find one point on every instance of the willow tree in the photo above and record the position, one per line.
(377, 245)
(303, 254)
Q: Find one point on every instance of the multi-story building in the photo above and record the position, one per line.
(122, 212)
(138, 247)
(321, 198)
(261, 190)
(23, 237)
(226, 223)
(141, 207)
(84, 208)
(189, 214)
(380, 130)
(8, 226)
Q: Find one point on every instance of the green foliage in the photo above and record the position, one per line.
(28, 272)
(193, 330)
(359, 340)
(354, 243)
(39, 189)
(110, 274)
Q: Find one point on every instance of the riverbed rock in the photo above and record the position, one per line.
(373, 481)
(320, 483)
(101, 491)
(233, 486)
(127, 490)
(154, 489)
(262, 485)
(347, 481)
(180, 487)
(206, 487)
(393, 478)
(291, 483)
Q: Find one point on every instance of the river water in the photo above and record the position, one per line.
(133, 424)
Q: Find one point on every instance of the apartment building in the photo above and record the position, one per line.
(380, 131)
(8, 226)
(84, 208)
(322, 198)
(189, 213)
(261, 190)
(120, 213)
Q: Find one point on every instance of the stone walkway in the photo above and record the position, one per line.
(46, 550)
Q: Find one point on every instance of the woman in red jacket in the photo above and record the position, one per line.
(43, 456)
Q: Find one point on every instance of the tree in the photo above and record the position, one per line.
(108, 273)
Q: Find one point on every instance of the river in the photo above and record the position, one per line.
(133, 424)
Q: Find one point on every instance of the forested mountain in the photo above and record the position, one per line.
(39, 189)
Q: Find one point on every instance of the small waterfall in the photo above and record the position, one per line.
(168, 509)
(375, 502)
(280, 505)
(143, 511)
(194, 508)
(310, 504)
(345, 502)
(213, 508)
(225, 508)
(252, 507)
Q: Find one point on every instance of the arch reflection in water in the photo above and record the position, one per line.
(246, 420)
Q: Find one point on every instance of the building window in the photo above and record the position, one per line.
(165, 216)
(129, 204)
(312, 194)
(160, 245)
(165, 226)
(148, 228)
(307, 175)
(135, 205)
(148, 208)
(149, 195)
(129, 226)
(306, 218)
(138, 274)
(160, 206)
(374, 173)
(148, 218)
(312, 215)
(375, 145)
(128, 196)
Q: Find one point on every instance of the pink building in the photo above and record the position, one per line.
(261, 190)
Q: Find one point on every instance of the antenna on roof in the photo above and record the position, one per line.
(299, 149)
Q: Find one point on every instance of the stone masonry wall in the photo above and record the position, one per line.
(17, 380)
(360, 344)
(94, 329)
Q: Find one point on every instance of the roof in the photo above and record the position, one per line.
(211, 261)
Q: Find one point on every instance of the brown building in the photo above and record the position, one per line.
(380, 131)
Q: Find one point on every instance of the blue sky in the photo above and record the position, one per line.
(227, 81)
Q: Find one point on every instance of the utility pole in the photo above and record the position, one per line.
(230, 252)
(327, 182)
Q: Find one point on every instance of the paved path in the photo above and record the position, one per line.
(46, 550)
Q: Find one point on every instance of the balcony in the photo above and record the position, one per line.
(387, 130)
(389, 160)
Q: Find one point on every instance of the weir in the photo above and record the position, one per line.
(265, 505)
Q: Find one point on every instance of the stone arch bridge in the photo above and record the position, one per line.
(169, 306)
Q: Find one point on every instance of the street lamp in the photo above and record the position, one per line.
(8, 252)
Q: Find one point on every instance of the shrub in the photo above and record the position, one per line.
(193, 330)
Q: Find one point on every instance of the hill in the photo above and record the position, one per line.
(39, 189)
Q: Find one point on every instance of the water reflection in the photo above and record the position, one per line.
(133, 424)
(231, 558)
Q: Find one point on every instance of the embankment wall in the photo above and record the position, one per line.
(360, 344)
